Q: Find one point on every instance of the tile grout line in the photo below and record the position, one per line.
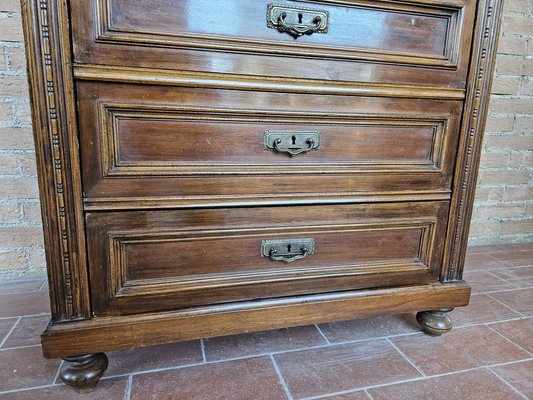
(421, 378)
(10, 332)
(497, 259)
(29, 388)
(56, 376)
(508, 384)
(322, 334)
(173, 368)
(467, 325)
(502, 279)
(266, 354)
(22, 291)
(310, 398)
(25, 316)
(127, 395)
(368, 394)
(25, 291)
(202, 347)
(509, 340)
(281, 379)
(406, 358)
(503, 304)
(286, 351)
(505, 290)
(20, 347)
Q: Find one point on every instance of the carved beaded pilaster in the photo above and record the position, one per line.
(480, 78)
(46, 39)
(56, 148)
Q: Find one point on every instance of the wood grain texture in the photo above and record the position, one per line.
(47, 45)
(475, 114)
(168, 77)
(416, 42)
(354, 173)
(112, 333)
(150, 140)
(149, 123)
(421, 33)
(162, 260)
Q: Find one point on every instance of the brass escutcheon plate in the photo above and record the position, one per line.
(291, 142)
(297, 21)
(287, 250)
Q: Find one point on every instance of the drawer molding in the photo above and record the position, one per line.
(120, 288)
(111, 114)
(154, 76)
(451, 13)
(192, 202)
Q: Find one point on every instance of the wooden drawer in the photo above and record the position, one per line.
(143, 261)
(183, 144)
(417, 42)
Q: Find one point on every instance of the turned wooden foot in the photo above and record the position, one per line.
(435, 322)
(83, 372)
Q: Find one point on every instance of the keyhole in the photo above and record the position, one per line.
(300, 18)
(289, 247)
(293, 140)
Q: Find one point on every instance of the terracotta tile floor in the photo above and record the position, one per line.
(488, 355)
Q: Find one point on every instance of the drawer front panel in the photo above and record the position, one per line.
(140, 140)
(348, 29)
(412, 34)
(148, 261)
(162, 139)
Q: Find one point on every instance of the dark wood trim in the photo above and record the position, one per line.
(211, 80)
(140, 203)
(48, 54)
(114, 333)
(475, 115)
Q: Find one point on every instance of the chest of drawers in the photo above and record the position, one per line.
(213, 167)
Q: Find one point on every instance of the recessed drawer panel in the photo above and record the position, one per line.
(184, 143)
(163, 141)
(147, 261)
(262, 36)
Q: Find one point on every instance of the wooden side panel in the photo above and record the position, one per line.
(475, 114)
(54, 123)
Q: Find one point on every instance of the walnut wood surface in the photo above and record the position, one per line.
(368, 162)
(54, 127)
(435, 322)
(420, 42)
(159, 260)
(112, 333)
(148, 121)
(475, 114)
(83, 372)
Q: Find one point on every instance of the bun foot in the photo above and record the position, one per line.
(435, 322)
(83, 372)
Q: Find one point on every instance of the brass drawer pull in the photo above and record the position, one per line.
(297, 21)
(291, 142)
(287, 250)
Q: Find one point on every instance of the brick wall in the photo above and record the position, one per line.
(504, 197)
(503, 211)
(21, 248)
